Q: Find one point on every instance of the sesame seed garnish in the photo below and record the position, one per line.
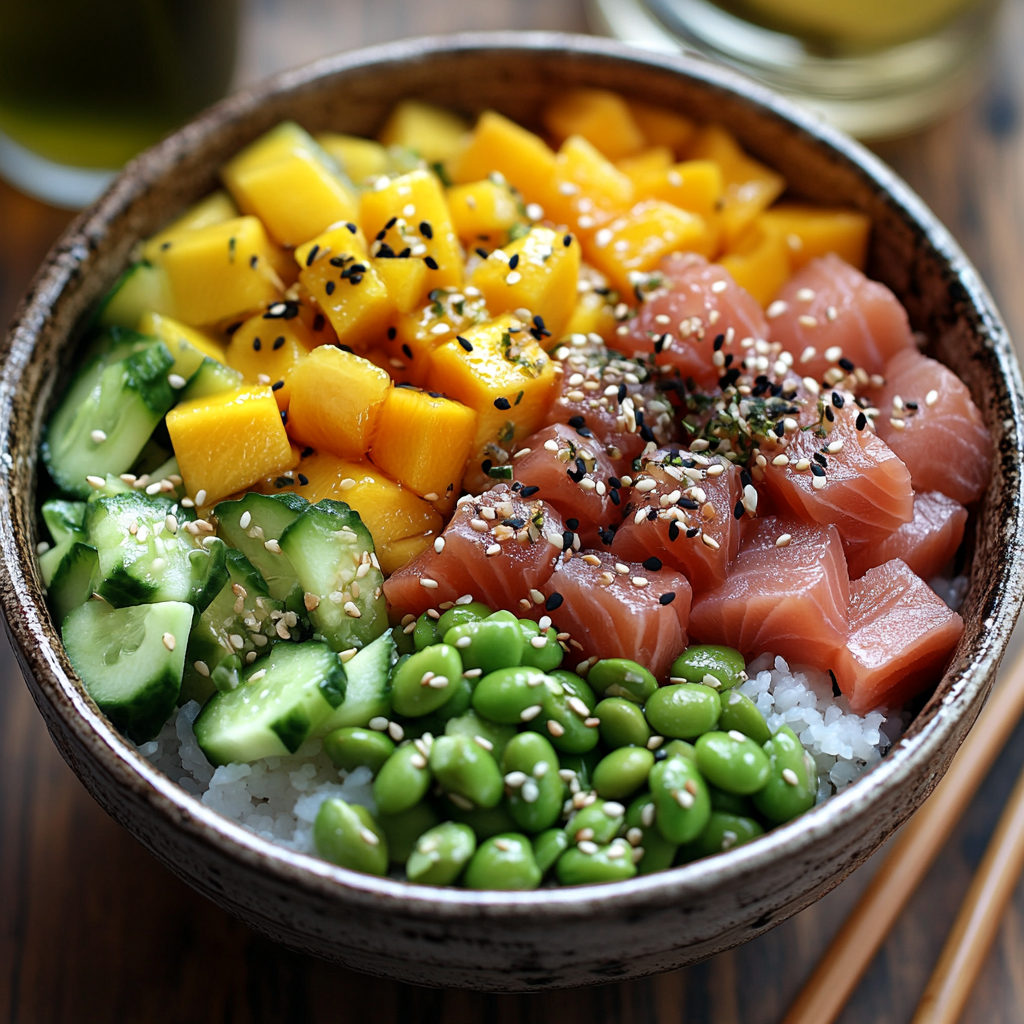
(530, 713)
(95, 481)
(169, 641)
(807, 321)
(718, 287)
(790, 777)
(931, 398)
(430, 584)
(710, 542)
(538, 642)
(776, 309)
(98, 436)
(378, 724)
(201, 497)
(898, 424)
(493, 549)
(176, 380)
(396, 732)
(272, 546)
(202, 668)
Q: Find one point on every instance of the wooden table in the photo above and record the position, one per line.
(93, 929)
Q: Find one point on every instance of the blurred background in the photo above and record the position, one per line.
(91, 927)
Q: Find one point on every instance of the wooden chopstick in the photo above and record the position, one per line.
(975, 927)
(851, 952)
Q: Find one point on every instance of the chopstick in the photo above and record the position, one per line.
(852, 950)
(975, 927)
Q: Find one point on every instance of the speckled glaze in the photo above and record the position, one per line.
(550, 938)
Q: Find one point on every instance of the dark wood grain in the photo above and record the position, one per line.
(93, 929)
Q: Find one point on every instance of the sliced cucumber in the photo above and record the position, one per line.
(130, 660)
(212, 378)
(104, 430)
(281, 700)
(64, 521)
(369, 686)
(73, 580)
(140, 289)
(266, 517)
(332, 554)
(209, 572)
(243, 610)
(141, 560)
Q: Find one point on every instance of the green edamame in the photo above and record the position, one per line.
(575, 686)
(598, 822)
(681, 799)
(680, 747)
(548, 847)
(642, 834)
(583, 765)
(581, 865)
(793, 782)
(404, 828)
(487, 644)
(733, 762)
(440, 854)
(725, 666)
(352, 747)
(739, 712)
(346, 835)
(534, 789)
(511, 696)
(723, 832)
(484, 821)
(567, 720)
(622, 772)
(426, 633)
(465, 769)
(622, 723)
(731, 803)
(425, 680)
(458, 703)
(541, 650)
(472, 612)
(504, 862)
(620, 677)
(492, 736)
(683, 710)
(402, 781)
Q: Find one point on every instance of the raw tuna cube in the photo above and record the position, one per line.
(901, 636)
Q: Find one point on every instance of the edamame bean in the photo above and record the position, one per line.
(487, 734)
(511, 696)
(484, 821)
(534, 790)
(622, 723)
(352, 747)
(414, 728)
(622, 772)
(405, 828)
(425, 680)
(739, 712)
(620, 677)
(589, 865)
(583, 765)
(680, 747)
(472, 612)
(441, 854)
(459, 702)
(683, 710)
(567, 720)
(426, 633)
(598, 822)
(346, 835)
(546, 655)
(404, 643)
(733, 762)
(681, 799)
(504, 862)
(731, 803)
(723, 832)
(465, 769)
(642, 834)
(488, 644)
(548, 847)
(402, 781)
(724, 665)
(793, 782)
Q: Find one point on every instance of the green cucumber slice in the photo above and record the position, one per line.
(73, 580)
(212, 378)
(369, 686)
(64, 521)
(140, 289)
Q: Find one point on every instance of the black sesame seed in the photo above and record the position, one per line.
(614, 481)
(425, 229)
(519, 397)
(817, 470)
(829, 414)
(502, 403)
(646, 433)
(652, 563)
(614, 495)
(464, 343)
(392, 331)
(621, 394)
(253, 260)
(573, 524)
(278, 342)
(256, 344)
(329, 287)
(385, 252)
(284, 417)
(352, 227)
(576, 422)
(719, 342)
(514, 262)
(688, 503)
(553, 602)
(912, 406)
(820, 460)
(305, 453)
(836, 692)
(277, 385)
(407, 350)
(486, 466)
(666, 598)
(673, 530)
(692, 532)
(737, 512)
(381, 234)
(482, 253)
(862, 421)
(303, 480)
(585, 432)
(355, 279)
(567, 539)
(312, 255)
(430, 262)
(391, 223)
(837, 400)
(529, 491)
(538, 322)
(566, 240)
(745, 478)
(283, 481)
(652, 514)
(846, 364)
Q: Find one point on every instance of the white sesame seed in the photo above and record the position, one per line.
(169, 641)
(95, 481)
(587, 847)
(493, 549)
(807, 321)
(683, 798)
(272, 546)
(98, 436)
(438, 682)
(483, 743)
(645, 485)
(776, 309)
(245, 519)
(378, 724)
(805, 295)
(931, 398)
(613, 809)
(513, 277)
(780, 460)
(202, 668)
(710, 542)
(836, 446)
(351, 610)
(538, 642)
(591, 723)
(530, 713)
(578, 706)
(790, 777)
(428, 583)
(717, 287)
(834, 354)
(818, 482)
(396, 732)
(176, 380)
(898, 424)
(347, 656)
(831, 313)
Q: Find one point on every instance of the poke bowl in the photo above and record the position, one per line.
(534, 936)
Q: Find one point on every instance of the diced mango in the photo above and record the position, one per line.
(812, 231)
(423, 440)
(288, 181)
(400, 523)
(537, 272)
(602, 117)
(412, 213)
(226, 442)
(338, 240)
(336, 397)
(267, 349)
(188, 345)
(694, 185)
(505, 376)
(586, 190)
(645, 163)
(750, 187)
(663, 127)
(638, 241)
(214, 209)
(433, 132)
(358, 158)
(593, 314)
(497, 144)
(221, 271)
(405, 280)
(758, 261)
(483, 212)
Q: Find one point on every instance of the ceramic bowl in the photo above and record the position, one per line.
(548, 938)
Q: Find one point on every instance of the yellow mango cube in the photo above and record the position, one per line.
(497, 144)
(638, 241)
(586, 190)
(483, 212)
(537, 272)
(265, 350)
(602, 117)
(220, 271)
(188, 345)
(504, 376)
(410, 212)
(405, 281)
(423, 440)
(812, 231)
(398, 520)
(663, 127)
(750, 186)
(759, 261)
(593, 314)
(433, 132)
(358, 158)
(213, 209)
(288, 181)
(335, 399)
(694, 185)
(639, 167)
(228, 441)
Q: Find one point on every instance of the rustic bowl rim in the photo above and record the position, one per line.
(27, 620)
